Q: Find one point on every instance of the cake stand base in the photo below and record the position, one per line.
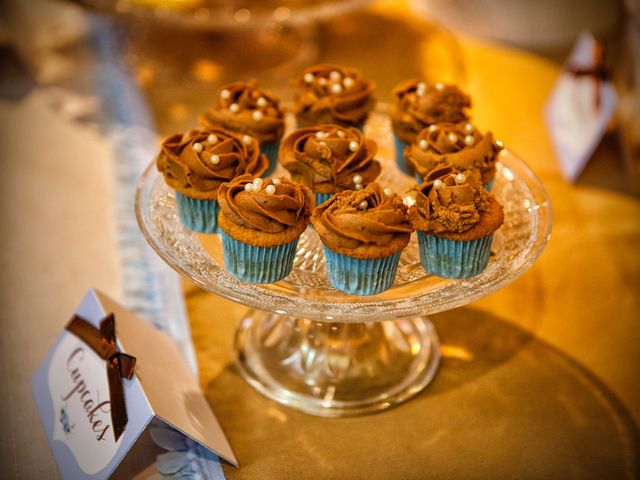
(336, 369)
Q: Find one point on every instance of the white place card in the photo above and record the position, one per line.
(110, 377)
(580, 107)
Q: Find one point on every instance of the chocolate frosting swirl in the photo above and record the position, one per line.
(288, 205)
(450, 201)
(333, 94)
(257, 111)
(199, 174)
(326, 158)
(419, 105)
(366, 223)
(458, 144)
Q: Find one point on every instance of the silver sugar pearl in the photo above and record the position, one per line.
(234, 108)
(261, 102)
(247, 139)
(348, 82)
(341, 133)
(387, 191)
(275, 181)
(453, 138)
(408, 201)
(439, 86)
(468, 128)
(358, 186)
(336, 88)
(433, 128)
(257, 183)
(438, 184)
(270, 189)
(257, 115)
(357, 179)
(469, 140)
(197, 147)
(460, 178)
(423, 144)
(248, 187)
(335, 75)
(353, 146)
(225, 94)
(308, 77)
(215, 159)
(212, 138)
(499, 144)
(363, 205)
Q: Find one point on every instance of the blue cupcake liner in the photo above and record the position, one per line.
(257, 264)
(361, 276)
(400, 160)
(487, 186)
(198, 215)
(322, 197)
(271, 151)
(453, 258)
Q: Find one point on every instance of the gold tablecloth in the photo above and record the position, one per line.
(538, 380)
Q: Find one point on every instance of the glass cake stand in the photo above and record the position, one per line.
(324, 352)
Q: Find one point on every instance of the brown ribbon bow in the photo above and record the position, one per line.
(119, 364)
(598, 71)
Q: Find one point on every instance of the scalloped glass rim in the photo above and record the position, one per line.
(306, 294)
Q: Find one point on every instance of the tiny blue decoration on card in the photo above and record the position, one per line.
(109, 379)
(580, 106)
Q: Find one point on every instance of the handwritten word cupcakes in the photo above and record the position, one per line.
(195, 164)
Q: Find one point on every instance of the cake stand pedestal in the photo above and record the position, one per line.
(322, 351)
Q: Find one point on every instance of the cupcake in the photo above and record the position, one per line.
(332, 94)
(197, 163)
(245, 108)
(260, 224)
(419, 105)
(363, 233)
(460, 145)
(455, 218)
(329, 159)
